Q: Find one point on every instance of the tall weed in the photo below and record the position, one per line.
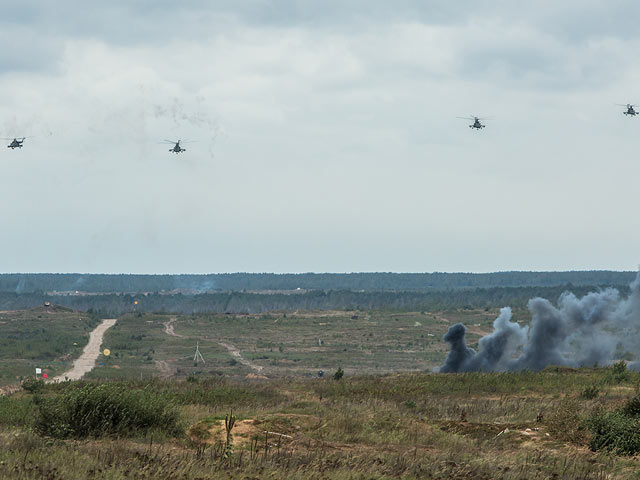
(106, 410)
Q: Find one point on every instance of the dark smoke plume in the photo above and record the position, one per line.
(597, 328)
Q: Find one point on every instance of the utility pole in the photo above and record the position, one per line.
(197, 354)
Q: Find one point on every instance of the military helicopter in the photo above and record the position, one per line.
(476, 122)
(15, 143)
(630, 109)
(176, 145)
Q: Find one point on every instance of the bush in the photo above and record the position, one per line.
(615, 432)
(632, 407)
(619, 372)
(339, 374)
(590, 392)
(566, 423)
(107, 409)
(33, 385)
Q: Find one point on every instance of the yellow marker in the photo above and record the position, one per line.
(136, 302)
(107, 352)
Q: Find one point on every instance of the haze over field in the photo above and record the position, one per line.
(326, 136)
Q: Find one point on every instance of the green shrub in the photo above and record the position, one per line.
(339, 374)
(632, 407)
(619, 372)
(105, 410)
(615, 432)
(590, 392)
(33, 385)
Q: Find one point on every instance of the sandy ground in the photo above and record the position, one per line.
(9, 389)
(85, 363)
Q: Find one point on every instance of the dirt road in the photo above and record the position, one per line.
(167, 370)
(236, 353)
(85, 363)
(168, 328)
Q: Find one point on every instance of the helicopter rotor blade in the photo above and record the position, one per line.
(467, 118)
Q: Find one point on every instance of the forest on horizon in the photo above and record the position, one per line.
(21, 283)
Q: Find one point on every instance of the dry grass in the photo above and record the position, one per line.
(400, 426)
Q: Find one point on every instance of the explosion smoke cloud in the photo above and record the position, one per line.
(597, 328)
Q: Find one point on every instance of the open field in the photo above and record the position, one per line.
(283, 344)
(395, 426)
(272, 345)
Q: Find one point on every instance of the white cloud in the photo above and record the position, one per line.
(326, 136)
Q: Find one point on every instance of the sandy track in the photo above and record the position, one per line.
(85, 363)
(236, 353)
(167, 370)
(168, 328)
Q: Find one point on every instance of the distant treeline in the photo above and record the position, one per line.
(98, 283)
(242, 302)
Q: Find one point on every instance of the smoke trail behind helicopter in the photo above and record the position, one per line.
(597, 328)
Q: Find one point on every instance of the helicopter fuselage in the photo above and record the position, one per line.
(631, 111)
(477, 125)
(15, 144)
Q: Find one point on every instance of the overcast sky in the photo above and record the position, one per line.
(326, 136)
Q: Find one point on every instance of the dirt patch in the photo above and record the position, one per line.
(243, 434)
(276, 430)
(488, 431)
(319, 314)
(9, 389)
(166, 370)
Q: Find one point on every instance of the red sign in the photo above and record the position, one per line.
(44, 375)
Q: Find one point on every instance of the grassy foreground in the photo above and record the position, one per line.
(486, 426)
